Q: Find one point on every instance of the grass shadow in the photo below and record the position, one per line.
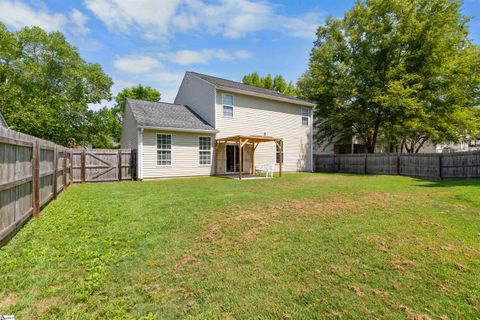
(447, 183)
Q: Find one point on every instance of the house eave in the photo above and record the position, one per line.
(179, 129)
(266, 96)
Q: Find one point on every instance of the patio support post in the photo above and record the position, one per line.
(253, 159)
(281, 157)
(215, 157)
(240, 158)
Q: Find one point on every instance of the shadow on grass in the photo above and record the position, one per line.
(419, 182)
(446, 183)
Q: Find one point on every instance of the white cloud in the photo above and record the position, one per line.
(243, 54)
(189, 57)
(304, 27)
(78, 21)
(147, 70)
(136, 64)
(231, 18)
(17, 15)
(152, 17)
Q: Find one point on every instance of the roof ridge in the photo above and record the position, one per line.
(239, 82)
(159, 102)
(217, 81)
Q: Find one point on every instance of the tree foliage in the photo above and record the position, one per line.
(45, 85)
(401, 72)
(278, 83)
(136, 92)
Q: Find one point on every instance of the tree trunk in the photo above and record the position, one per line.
(421, 144)
(375, 132)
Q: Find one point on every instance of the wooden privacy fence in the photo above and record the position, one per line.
(33, 171)
(424, 165)
(101, 165)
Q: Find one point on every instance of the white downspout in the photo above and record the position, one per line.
(140, 154)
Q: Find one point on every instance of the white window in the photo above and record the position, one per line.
(164, 149)
(277, 154)
(205, 150)
(305, 116)
(227, 102)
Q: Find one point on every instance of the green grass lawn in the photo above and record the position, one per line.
(301, 247)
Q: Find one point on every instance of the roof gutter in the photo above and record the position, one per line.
(179, 129)
(266, 96)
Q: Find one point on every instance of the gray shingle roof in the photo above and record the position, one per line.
(166, 115)
(244, 87)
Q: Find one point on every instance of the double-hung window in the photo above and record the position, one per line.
(305, 116)
(164, 149)
(277, 154)
(227, 102)
(205, 150)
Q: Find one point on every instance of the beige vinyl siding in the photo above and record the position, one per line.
(199, 95)
(129, 138)
(259, 116)
(185, 155)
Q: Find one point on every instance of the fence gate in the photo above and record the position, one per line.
(100, 165)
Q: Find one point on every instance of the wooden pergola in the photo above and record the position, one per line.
(253, 141)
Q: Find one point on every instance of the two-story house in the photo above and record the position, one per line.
(218, 126)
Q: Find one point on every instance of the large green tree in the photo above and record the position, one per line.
(278, 83)
(136, 92)
(404, 72)
(45, 85)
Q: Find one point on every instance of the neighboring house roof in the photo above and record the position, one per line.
(3, 122)
(238, 86)
(167, 116)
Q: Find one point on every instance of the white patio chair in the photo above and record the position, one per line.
(266, 169)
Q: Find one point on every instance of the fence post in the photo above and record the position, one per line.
(64, 169)
(54, 174)
(366, 159)
(119, 165)
(36, 178)
(440, 165)
(82, 165)
(70, 167)
(133, 163)
(398, 163)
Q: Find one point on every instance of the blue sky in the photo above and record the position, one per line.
(153, 42)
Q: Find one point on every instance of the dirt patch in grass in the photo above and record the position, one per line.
(357, 290)
(212, 234)
(44, 305)
(403, 265)
(253, 221)
(411, 315)
(8, 301)
(186, 262)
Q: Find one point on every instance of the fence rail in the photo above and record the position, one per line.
(429, 165)
(33, 171)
